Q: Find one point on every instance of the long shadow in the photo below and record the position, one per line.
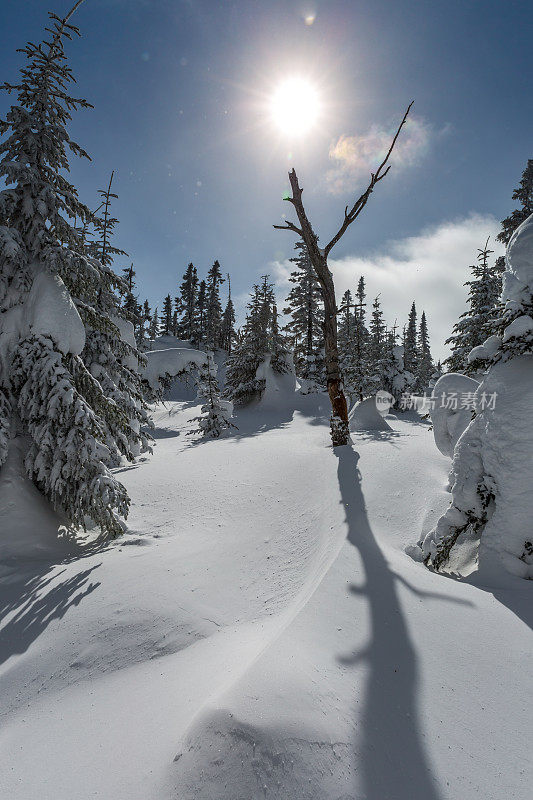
(389, 751)
(33, 599)
(517, 594)
(256, 418)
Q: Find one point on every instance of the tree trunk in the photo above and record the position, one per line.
(340, 433)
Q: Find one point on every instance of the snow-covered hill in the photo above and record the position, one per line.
(261, 633)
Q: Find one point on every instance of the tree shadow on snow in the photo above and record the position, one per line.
(35, 593)
(517, 594)
(389, 750)
(257, 417)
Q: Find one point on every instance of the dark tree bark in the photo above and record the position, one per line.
(340, 433)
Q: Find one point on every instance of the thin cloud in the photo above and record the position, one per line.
(355, 157)
(429, 268)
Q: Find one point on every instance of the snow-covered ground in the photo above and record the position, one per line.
(261, 633)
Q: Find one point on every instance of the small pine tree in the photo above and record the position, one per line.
(215, 417)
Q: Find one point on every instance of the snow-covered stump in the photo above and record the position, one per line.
(490, 517)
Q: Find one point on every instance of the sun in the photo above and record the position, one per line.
(295, 107)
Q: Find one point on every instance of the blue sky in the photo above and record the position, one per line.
(181, 91)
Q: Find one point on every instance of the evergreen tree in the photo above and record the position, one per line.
(74, 430)
(305, 309)
(359, 371)
(524, 194)
(471, 329)
(216, 415)
(426, 368)
(187, 304)
(377, 346)
(199, 323)
(153, 330)
(227, 334)
(166, 319)
(411, 353)
(259, 338)
(214, 308)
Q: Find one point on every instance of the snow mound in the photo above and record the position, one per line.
(365, 417)
(279, 386)
(451, 409)
(170, 362)
(519, 327)
(51, 312)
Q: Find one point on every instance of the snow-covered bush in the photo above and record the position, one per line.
(492, 466)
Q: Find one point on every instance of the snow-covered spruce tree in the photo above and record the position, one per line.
(524, 194)
(53, 293)
(259, 338)
(305, 310)
(199, 320)
(213, 316)
(411, 355)
(153, 329)
(377, 342)
(426, 368)
(165, 327)
(186, 302)
(358, 375)
(471, 329)
(492, 470)
(111, 342)
(215, 417)
(227, 331)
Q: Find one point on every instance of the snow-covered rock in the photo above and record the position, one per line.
(452, 401)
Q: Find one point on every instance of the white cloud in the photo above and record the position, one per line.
(355, 157)
(429, 268)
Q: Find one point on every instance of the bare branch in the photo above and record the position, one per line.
(381, 172)
(289, 226)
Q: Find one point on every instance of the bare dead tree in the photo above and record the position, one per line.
(319, 258)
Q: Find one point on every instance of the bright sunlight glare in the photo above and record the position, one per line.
(295, 107)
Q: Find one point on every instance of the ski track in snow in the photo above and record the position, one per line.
(260, 633)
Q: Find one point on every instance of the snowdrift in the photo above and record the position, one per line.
(451, 409)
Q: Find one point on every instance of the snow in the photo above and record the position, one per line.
(51, 312)
(365, 416)
(518, 327)
(486, 350)
(451, 411)
(259, 632)
(170, 362)
(518, 276)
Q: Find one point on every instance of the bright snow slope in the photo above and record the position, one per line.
(260, 633)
